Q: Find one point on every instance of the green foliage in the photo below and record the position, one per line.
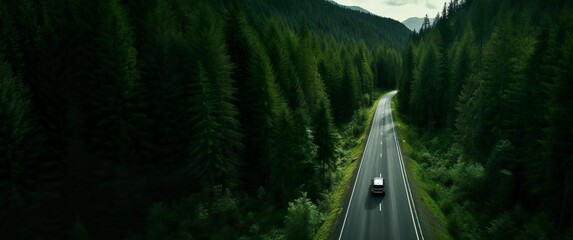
(302, 219)
(328, 20)
(119, 117)
(406, 80)
(426, 89)
(79, 232)
(24, 171)
(325, 137)
(558, 135)
(501, 92)
(212, 109)
(189, 217)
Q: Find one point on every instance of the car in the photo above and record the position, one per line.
(377, 186)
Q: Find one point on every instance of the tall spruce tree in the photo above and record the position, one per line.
(217, 145)
(23, 177)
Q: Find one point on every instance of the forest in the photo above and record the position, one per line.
(486, 89)
(160, 119)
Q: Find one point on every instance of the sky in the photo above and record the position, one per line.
(398, 9)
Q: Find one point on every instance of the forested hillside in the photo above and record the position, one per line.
(329, 20)
(488, 88)
(156, 119)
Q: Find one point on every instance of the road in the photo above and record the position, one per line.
(394, 215)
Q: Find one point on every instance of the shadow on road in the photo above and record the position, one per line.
(372, 202)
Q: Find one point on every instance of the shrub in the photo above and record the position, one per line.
(303, 219)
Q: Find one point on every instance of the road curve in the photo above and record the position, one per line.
(393, 216)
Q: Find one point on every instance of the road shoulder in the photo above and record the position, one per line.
(432, 220)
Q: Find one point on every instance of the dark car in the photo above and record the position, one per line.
(377, 186)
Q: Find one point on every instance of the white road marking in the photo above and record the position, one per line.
(413, 212)
(380, 154)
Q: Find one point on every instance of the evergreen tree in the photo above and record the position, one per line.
(365, 71)
(496, 80)
(461, 68)
(325, 137)
(9, 37)
(115, 120)
(468, 122)
(23, 182)
(309, 79)
(217, 142)
(406, 80)
(162, 88)
(558, 136)
(116, 77)
(349, 89)
(425, 101)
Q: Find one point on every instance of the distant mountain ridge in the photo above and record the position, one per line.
(415, 23)
(330, 20)
(355, 8)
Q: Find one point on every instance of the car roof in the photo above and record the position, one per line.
(378, 181)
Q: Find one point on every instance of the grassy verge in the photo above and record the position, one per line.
(431, 212)
(340, 191)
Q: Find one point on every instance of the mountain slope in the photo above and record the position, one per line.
(355, 8)
(329, 20)
(359, 9)
(414, 23)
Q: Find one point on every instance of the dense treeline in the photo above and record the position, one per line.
(162, 119)
(330, 20)
(488, 85)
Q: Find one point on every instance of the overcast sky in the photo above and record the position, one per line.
(398, 9)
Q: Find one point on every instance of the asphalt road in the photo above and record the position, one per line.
(394, 215)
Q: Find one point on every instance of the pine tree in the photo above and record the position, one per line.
(498, 65)
(280, 46)
(461, 68)
(23, 182)
(206, 155)
(426, 25)
(116, 77)
(309, 79)
(116, 121)
(325, 137)
(406, 80)
(163, 89)
(558, 140)
(349, 89)
(365, 71)
(9, 37)
(257, 97)
(425, 101)
(217, 144)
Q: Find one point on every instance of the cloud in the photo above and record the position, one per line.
(430, 5)
(400, 2)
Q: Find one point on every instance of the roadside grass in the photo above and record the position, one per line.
(431, 212)
(340, 191)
